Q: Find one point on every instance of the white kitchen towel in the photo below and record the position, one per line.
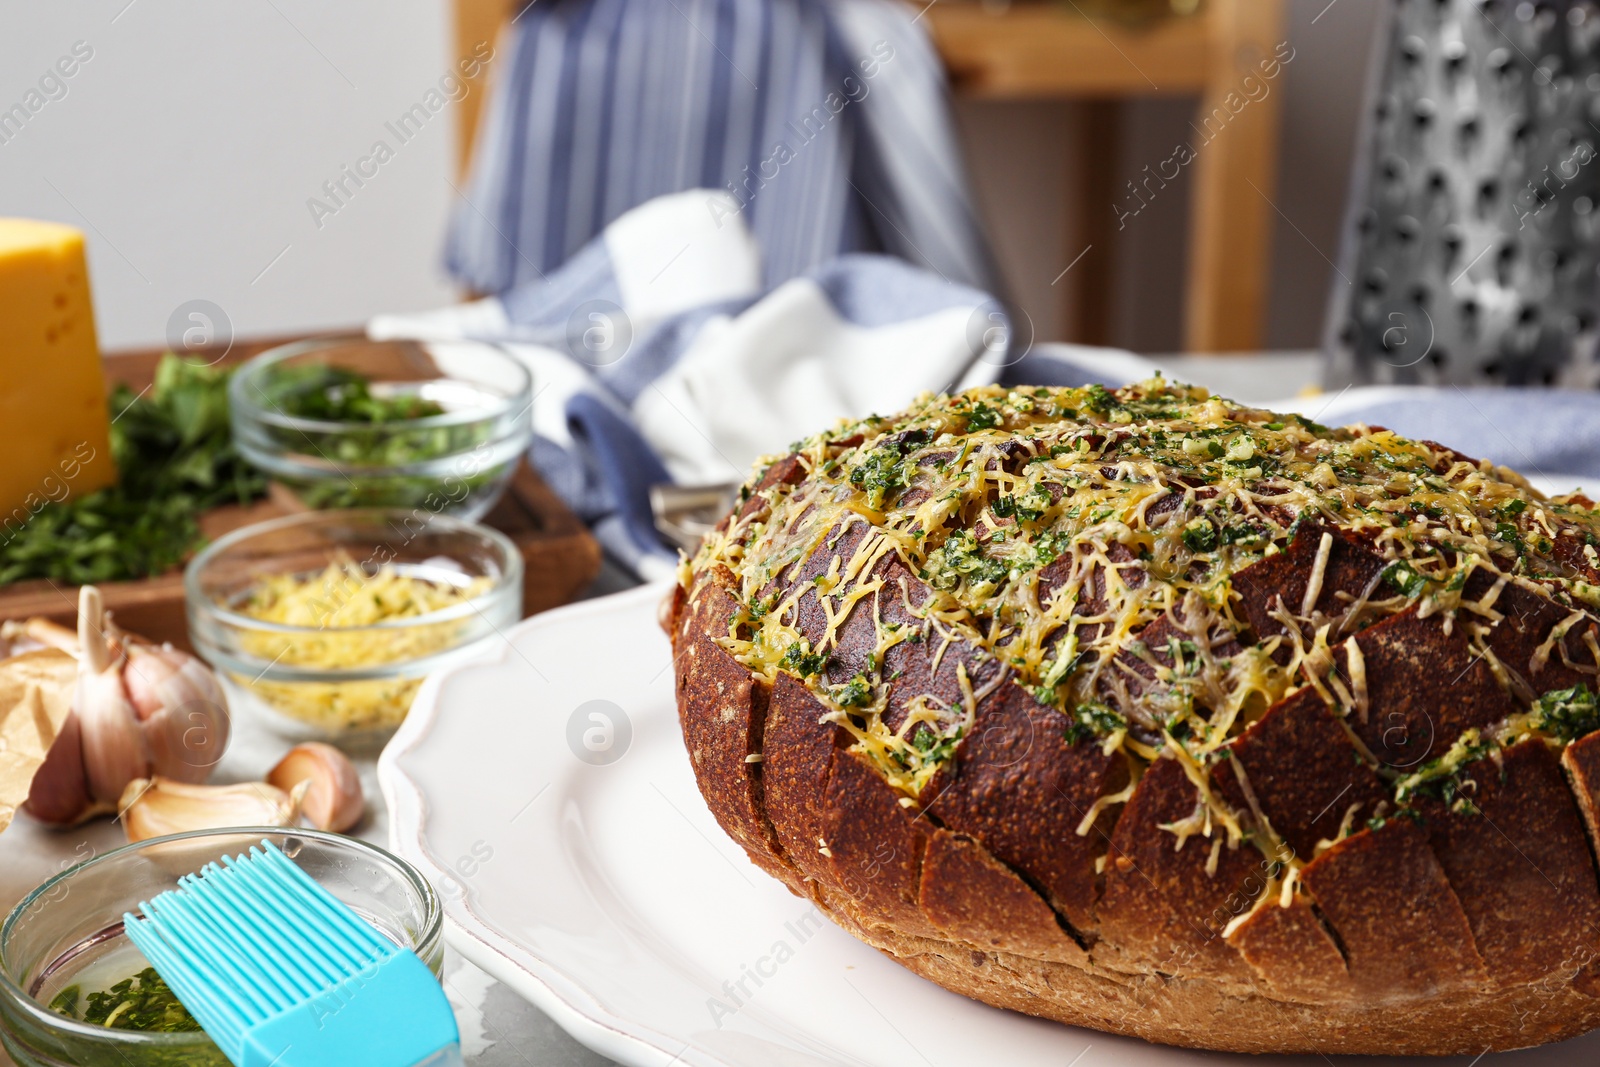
(657, 357)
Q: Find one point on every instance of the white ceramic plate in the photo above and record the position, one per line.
(1559, 485)
(601, 889)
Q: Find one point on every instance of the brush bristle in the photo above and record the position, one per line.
(242, 942)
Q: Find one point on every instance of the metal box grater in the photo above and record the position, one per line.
(1469, 251)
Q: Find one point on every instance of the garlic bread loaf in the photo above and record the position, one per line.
(1147, 711)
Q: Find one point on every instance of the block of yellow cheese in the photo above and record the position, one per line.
(53, 419)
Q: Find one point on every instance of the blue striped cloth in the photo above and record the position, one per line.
(825, 120)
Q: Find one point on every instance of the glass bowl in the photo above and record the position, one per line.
(295, 417)
(332, 675)
(69, 932)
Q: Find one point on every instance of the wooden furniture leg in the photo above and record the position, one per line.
(1232, 214)
(1092, 280)
(476, 22)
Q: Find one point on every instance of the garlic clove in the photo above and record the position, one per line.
(40, 686)
(114, 749)
(156, 807)
(148, 677)
(94, 650)
(59, 795)
(182, 711)
(333, 799)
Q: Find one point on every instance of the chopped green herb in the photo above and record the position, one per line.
(1100, 401)
(1243, 535)
(856, 693)
(335, 394)
(367, 437)
(802, 661)
(881, 474)
(1567, 713)
(1093, 721)
(1028, 508)
(936, 748)
(143, 1003)
(1407, 581)
(1508, 533)
(982, 417)
(960, 559)
(1048, 547)
(1200, 536)
(1441, 777)
(66, 1001)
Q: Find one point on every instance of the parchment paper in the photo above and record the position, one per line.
(35, 698)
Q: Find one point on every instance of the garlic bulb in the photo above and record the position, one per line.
(333, 799)
(139, 711)
(155, 807)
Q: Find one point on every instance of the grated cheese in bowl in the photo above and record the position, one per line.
(346, 609)
(325, 624)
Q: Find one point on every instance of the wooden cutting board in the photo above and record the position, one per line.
(560, 557)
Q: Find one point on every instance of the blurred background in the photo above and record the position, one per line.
(189, 143)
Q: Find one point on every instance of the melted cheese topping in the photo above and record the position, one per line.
(1055, 526)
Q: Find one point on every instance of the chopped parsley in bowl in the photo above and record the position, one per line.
(347, 422)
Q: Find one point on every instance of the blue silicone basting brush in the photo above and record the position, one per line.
(281, 973)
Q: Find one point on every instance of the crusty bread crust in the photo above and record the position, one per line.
(940, 904)
(1439, 931)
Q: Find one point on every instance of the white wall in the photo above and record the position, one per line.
(189, 143)
(1023, 170)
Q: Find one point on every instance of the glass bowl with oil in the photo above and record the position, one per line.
(67, 969)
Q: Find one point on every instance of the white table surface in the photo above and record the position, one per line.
(498, 1028)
